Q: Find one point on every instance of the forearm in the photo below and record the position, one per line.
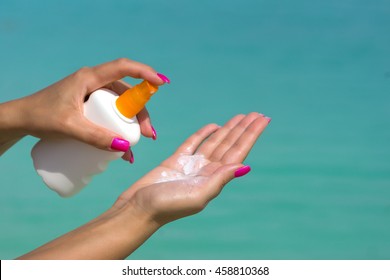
(11, 127)
(113, 235)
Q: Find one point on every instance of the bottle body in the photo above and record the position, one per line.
(67, 165)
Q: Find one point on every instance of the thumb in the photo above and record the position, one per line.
(97, 136)
(224, 175)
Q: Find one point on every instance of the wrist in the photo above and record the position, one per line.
(11, 124)
(131, 225)
(131, 211)
(113, 235)
(11, 129)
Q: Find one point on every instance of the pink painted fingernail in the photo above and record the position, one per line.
(120, 144)
(154, 136)
(268, 119)
(164, 78)
(242, 171)
(131, 159)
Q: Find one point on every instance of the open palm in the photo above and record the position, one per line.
(184, 183)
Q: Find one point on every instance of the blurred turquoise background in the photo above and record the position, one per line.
(320, 181)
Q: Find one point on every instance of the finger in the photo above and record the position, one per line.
(92, 134)
(128, 156)
(143, 116)
(118, 87)
(208, 147)
(194, 141)
(240, 149)
(147, 129)
(220, 178)
(101, 75)
(233, 134)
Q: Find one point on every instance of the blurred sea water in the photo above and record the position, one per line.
(320, 181)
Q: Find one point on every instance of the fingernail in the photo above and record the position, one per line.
(242, 171)
(164, 78)
(154, 136)
(131, 160)
(261, 115)
(120, 144)
(268, 119)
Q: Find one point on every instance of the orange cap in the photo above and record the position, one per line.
(134, 99)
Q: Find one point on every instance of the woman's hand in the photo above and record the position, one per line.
(183, 184)
(180, 186)
(57, 111)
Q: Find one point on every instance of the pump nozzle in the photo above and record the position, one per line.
(134, 99)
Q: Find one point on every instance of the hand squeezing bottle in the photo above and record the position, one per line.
(67, 165)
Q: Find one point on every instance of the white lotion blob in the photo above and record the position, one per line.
(189, 166)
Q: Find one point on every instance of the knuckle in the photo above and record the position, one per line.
(86, 76)
(83, 71)
(83, 74)
(123, 62)
(149, 68)
(126, 63)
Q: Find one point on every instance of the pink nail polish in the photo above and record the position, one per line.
(120, 144)
(268, 119)
(164, 78)
(131, 160)
(242, 171)
(154, 136)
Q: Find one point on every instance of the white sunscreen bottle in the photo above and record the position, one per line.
(67, 165)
